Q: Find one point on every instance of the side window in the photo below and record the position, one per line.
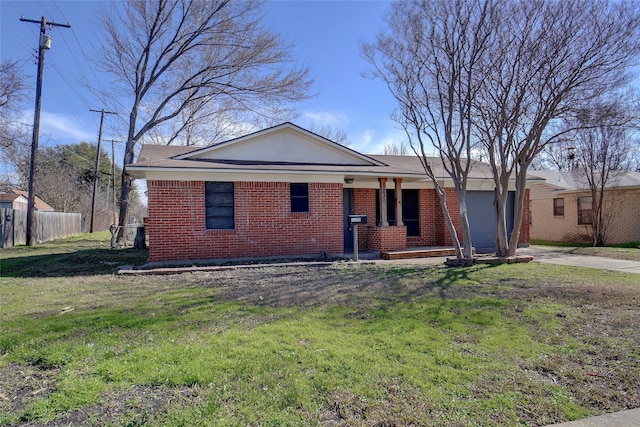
(219, 205)
(558, 207)
(584, 210)
(299, 197)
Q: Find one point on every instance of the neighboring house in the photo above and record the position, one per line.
(561, 207)
(287, 191)
(18, 200)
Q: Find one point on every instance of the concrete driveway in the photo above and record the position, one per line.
(560, 257)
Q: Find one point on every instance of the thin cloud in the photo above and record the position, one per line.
(369, 142)
(66, 126)
(326, 118)
(61, 127)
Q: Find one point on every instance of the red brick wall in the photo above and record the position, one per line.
(454, 211)
(264, 224)
(364, 202)
(431, 221)
(389, 238)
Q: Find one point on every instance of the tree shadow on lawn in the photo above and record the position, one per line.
(348, 284)
(83, 262)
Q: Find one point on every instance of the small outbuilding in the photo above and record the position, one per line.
(18, 200)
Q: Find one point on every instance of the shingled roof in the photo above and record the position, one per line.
(575, 180)
(39, 204)
(289, 149)
(165, 157)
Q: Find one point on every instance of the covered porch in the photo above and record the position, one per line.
(402, 213)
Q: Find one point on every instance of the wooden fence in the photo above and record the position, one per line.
(48, 226)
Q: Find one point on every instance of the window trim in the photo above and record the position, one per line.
(581, 215)
(558, 209)
(209, 205)
(296, 199)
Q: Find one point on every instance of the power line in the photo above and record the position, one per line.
(68, 74)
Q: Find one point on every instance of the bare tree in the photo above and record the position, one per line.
(331, 133)
(396, 149)
(17, 157)
(12, 85)
(171, 56)
(429, 61)
(605, 147)
(202, 123)
(548, 59)
(559, 156)
(13, 88)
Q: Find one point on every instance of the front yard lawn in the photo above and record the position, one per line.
(341, 345)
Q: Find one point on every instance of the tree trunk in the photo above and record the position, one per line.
(502, 245)
(501, 182)
(466, 228)
(124, 208)
(518, 209)
(597, 208)
(125, 195)
(445, 211)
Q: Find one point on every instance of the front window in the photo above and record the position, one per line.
(299, 198)
(219, 205)
(585, 214)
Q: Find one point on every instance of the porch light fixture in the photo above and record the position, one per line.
(348, 180)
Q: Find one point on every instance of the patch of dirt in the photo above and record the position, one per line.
(134, 406)
(398, 401)
(20, 385)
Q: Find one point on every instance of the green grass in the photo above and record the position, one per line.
(85, 254)
(628, 245)
(349, 344)
(558, 244)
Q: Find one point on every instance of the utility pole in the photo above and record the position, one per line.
(113, 178)
(45, 44)
(95, 169)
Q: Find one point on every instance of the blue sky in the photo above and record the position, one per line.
(325, 35)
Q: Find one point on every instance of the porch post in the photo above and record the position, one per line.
(383, 201)
(398, 201)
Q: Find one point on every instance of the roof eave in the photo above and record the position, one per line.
(140, 172)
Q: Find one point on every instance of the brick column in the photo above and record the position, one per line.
(383, 202)
(398, 201)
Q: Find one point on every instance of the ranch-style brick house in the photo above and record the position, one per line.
(285, 191)
(561, 207)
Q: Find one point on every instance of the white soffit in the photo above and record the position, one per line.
(286, 143)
